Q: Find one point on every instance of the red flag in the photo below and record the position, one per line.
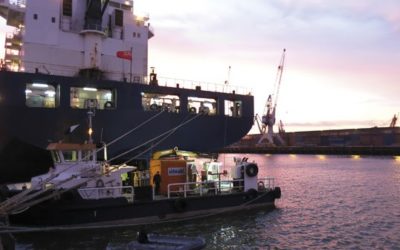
(125, 54)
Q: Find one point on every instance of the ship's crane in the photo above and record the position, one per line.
(268, 118)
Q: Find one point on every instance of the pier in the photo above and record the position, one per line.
(367, 141)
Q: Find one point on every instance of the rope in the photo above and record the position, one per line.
(171, 131)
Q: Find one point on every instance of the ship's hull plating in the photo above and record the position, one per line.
(23, 128)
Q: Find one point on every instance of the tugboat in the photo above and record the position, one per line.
(67, 56)
(83, 192)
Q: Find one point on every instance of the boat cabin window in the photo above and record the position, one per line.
(87, 155)
(70, 155)
(158, 102)
(233, 108)
(55, 156)
(87, 97)
(206, 106)
(41, 95)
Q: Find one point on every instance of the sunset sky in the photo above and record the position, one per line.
(342, 62)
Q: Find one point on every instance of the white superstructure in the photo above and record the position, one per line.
(72, 37)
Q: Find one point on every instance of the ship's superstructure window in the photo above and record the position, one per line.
(233, 108)
(53, 19)
(89, 97)
(206, 106)
(119, 18)
(41, 95)
(158, 102)
(67, 8)
(35, 16)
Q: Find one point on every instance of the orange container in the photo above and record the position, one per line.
(171, 171)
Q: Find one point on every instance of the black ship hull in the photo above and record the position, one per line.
(25, 129)
(72, 213)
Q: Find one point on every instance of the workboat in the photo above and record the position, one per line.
(81, 192)
(66, 57)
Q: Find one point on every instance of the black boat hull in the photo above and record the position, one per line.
(114, 212)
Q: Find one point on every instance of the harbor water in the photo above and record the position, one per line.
(331, 202)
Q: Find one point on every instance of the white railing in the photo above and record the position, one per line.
(266, 183)
(107, 192)
(215, 187)
(205, 86)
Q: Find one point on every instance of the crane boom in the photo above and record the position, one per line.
(268, 118)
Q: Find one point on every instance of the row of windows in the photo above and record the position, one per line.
(42, 95)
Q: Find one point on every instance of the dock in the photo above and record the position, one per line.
(366, 141)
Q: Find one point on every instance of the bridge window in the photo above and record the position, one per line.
(88, 97)
(202, 105)
(233, 108)
(158, 102)
(41, 95)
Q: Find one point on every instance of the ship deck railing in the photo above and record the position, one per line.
(221, 187)
(202, 85)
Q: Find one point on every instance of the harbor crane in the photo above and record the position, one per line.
(394, 121)
(268, 118)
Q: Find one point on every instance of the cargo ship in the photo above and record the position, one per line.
(70, 57)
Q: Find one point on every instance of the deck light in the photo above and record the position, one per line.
(89, 89)
(40, 85)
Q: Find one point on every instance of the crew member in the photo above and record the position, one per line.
(156, 182)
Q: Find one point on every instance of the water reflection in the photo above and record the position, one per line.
(333, 202)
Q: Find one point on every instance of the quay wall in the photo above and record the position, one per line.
(366, 141)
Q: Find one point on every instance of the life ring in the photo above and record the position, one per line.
(261, 186)
(251, 170)
(192, 110)
(180, 205)
(99, 183)
(108, 105)
(153, 107)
